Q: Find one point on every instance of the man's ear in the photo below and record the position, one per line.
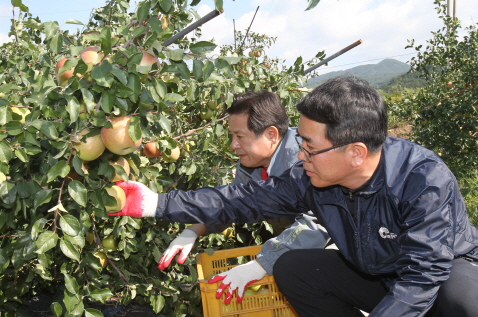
(272, 134)
(359, 153)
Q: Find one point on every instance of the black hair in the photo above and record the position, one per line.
(352, 110)
(264, 110)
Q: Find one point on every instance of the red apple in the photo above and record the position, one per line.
(89, 150)
(91, 56)
(149, 60)
(65, 75)
(124, 164)
(151, 150)
(117, 139)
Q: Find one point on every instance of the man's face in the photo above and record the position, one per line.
(253, 151)
(324, 169)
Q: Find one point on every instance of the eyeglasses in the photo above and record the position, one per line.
(308, 155)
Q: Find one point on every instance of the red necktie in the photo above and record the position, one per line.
(264, 174)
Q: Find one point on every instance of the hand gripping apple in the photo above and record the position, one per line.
(238, 278)
(140, 200)
(184, 243)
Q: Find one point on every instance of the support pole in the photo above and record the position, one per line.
(333, 56)
(211, 15)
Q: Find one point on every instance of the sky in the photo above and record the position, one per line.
(384, 26)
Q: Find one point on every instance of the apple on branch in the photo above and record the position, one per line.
(120, 196)
(124, 164)
(91, 148)
(117, 138)
(151, 150)
(173, 156)
(92, 56)
(63, 77)
(146, 63)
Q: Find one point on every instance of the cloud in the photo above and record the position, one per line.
(384, 26)
(4, 38)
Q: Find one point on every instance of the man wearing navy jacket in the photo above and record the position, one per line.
(392, 207)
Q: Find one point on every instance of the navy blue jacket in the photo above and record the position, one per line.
(411, 220)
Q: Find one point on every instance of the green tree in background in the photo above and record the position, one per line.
(445, 111)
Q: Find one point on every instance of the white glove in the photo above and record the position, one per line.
(184, 242)
(238, 278)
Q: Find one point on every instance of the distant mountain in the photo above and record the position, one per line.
(376, 74)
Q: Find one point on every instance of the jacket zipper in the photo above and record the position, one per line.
(357, 230)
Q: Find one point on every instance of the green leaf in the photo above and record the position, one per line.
(73, 107)
(161, 88)
(38, 227)
(198, 69)
(157, 302)
(166, 5)
(42, 197)
(105, 35)
(69, 250)
(46, 241)
(218, 5)
(14, 128)
(175, 55)
(165, 124)
(107, 102)
(172, 97)
(16, 3)
(8, 192)
(191, 169)
(61, 168)
(56, 44)
(208, 69)
(57, 309)
(71, 284)
(101, 294)
(73, 21)
(143, 11)
(120, 74)
(134, 129)
(21, 155)
(5, 152)
(233, 60)
(51, 29)
(73, 304)
(91, 312)
(223, 65)
(78, 192)
(312, 4)
(4, 259)
(102, 74)
(202, 47)
(70, 225)
(48, 128)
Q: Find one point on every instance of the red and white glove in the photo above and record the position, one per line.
(140, 200)
(238, 278)
(184, 243)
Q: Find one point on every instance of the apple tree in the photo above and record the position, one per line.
(81, 110)
(445, 113)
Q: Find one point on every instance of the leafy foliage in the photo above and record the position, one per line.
(445, 111)
(53, 224)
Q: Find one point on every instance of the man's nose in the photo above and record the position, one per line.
(301, 156)
(234, 144)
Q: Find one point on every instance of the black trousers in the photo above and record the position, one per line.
(321, 283)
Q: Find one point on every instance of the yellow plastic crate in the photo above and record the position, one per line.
(267, 302)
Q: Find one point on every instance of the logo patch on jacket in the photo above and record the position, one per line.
(384, 233)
